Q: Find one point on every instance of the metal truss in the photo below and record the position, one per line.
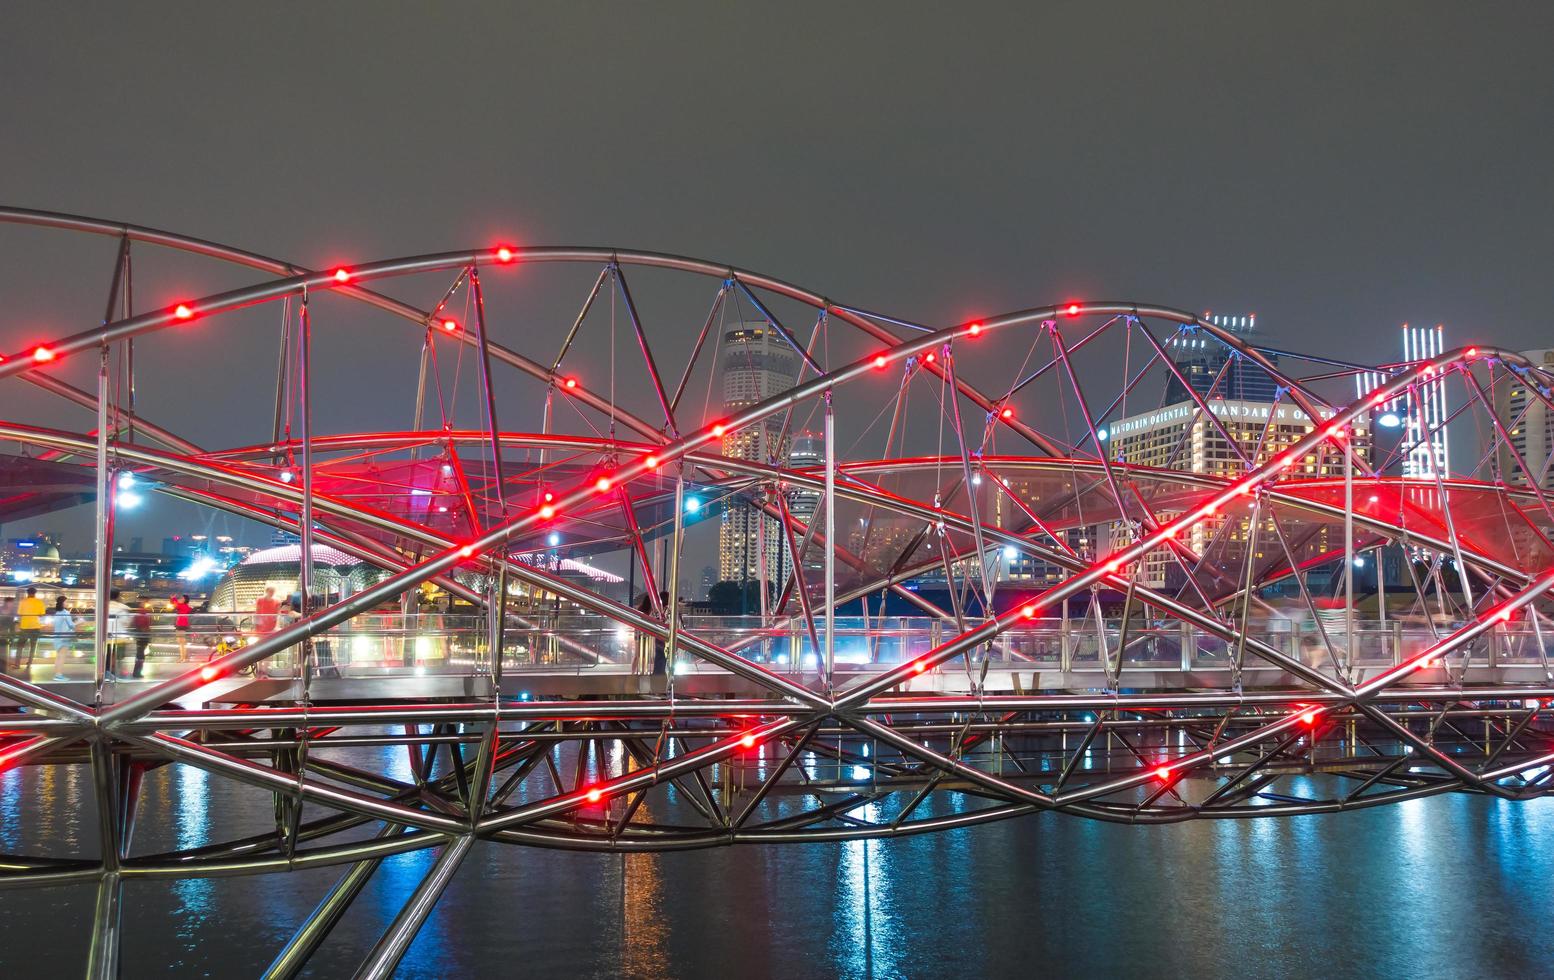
(1106, 689)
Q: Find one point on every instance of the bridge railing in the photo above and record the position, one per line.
(387, 644)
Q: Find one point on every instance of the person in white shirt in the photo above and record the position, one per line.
(118, 631)
(63, 626)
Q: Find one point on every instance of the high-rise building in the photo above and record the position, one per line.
(1421, 411)
(1210, 367)
(1529, 425)
(757, 363)
(1179, 437)
(808, 453)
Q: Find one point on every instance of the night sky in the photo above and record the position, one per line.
(1336, 168)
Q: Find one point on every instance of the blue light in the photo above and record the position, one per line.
(693, 505)
(554, 539)
(1389, 420)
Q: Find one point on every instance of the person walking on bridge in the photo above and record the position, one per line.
(29, 626)
(63, 626)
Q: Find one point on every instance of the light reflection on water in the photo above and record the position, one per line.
(1448, 886)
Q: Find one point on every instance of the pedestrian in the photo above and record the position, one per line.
(140, 632)
(658, 645)
(181, 611)
(7, 631)
(29, 626)
(118, 625)
(63, 627)
(265, 609)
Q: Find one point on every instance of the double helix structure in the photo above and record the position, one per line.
(1111, 559)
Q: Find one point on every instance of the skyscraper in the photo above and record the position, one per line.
(1204, 360)
(1421, 410)
(756, 363)
(1529, 424)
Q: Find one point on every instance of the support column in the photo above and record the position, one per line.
(390, 949)
(103, 556)
(829, 660)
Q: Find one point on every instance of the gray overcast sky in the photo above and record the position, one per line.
(1338, 168)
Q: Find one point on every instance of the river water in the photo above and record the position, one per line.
(1451, 886)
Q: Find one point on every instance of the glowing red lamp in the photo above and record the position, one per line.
(504, 254)
(342, 275)
(718, 429)
(929, 357)
(1308, 717)
(602, 484)
(209, 673)
(974, 329)
(182, 312)
(571, 382)
(1073, 309)
(467, 550)
(594, 796)
(42, 354)
(1163, 773)
(1007, 413)
(547, 512)
(748, 741)
(1031, 611)
(651, 462)
(920, 666)
(452, 326)
(880, 361)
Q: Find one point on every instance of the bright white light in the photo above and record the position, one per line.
(1359, 563)
(200, 567)
(693, 505)
(1102, 435)
(1011, 552)
(554, 539)
(126, 481)
(1389, 420)
(287, 476)
(976, 479)
(128, 500)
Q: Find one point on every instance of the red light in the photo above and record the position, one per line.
(1007, 413)
(919, 666)
(1426, 663)
(451, 326)
(1504, 615)
(41, 354)
(718, 429)
(974, 329)
(1031, 611)
(1309, 717)
(1336, 430)
(1380, 397)
(504, 254)
(1073, 309)
(208, 673)
(1210, 510)
(182, 312)
(929, 357)
(467, 550)
(748, 741)
(549, 496)
(1170, 531)
(1163, 773)
(571, 382)
(1472, 351)
(879, 360)
(342, 275)
(652, 462)
(1113, 565)
(602, 484)
(594, 796)
(547, 512)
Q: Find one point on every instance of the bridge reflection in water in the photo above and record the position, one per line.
(1146, 613)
